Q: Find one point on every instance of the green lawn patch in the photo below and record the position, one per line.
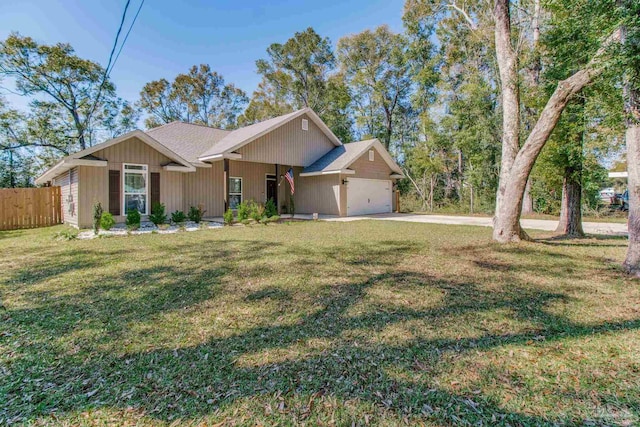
(317, 323)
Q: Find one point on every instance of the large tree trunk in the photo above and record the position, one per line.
(514, 180)
(507, 220)
(632, 261)
(631, 95)
(507, 57)
(570, 223)
(527, 201)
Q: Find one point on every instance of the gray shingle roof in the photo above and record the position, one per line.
(187, 140)
(342, 157)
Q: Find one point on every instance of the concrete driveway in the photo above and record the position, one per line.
(613, 229)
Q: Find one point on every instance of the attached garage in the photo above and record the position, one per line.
(369, 196)
(364, 173)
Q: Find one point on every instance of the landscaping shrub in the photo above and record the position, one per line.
(66, 234)
(256, 211)
(178, 217)
(228, 217)
(292, 206)
(270, 208)
(107, 221)
(196, 214)
(243, 211)
(97, 216)
(157, 214)
(133, 219)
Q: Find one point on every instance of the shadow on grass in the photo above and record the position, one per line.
(590, 240)
(196, 381)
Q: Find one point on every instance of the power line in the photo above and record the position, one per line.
(126, 37)
(115, 43)
(105, 75)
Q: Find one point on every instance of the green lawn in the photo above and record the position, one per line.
(378, 323)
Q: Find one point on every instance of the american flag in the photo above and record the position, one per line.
(289, 176)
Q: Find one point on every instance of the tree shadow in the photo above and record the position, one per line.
(201, 379)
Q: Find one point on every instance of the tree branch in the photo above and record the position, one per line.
(464, 14)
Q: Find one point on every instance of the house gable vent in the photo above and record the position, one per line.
(305, 124)
(371, 155)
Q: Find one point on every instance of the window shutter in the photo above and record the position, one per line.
(114, 192)
(155, 189)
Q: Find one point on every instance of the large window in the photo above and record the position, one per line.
(235, 192)
(135, 188)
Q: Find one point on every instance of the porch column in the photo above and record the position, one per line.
(277, 188)
(226, 184)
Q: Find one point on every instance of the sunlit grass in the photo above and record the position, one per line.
(364, 322)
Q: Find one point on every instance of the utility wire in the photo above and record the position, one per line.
(126, 37)
(105, 75)
(115, 43)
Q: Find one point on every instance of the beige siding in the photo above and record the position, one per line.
(93, 187)
(254, 176)
(378, 169)
(133, 151)
(319, 194)
(68, 183)
(171, 188)
(204, 186)
(289, 145)
(343, 195)
(94, 181)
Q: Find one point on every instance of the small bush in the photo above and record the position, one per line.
(178, 217)
(256, 211)
(228, 217)
(97, 216)
(243, 211)
(246, 221)
(270, 208)
(157, 214)
(196, 214)
(292, 206)
(66, 234)
(133, 219)
(107, 221)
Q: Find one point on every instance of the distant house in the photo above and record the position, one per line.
(183, 165)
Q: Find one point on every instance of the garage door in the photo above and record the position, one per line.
(368, 196)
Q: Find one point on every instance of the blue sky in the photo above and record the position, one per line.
(170, 36)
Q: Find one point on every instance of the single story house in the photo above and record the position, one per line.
(183, 165)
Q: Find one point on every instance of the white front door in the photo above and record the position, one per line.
(368, 196)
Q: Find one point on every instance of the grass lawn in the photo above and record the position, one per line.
(367, 322)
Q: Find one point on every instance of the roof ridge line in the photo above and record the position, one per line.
(187, 123)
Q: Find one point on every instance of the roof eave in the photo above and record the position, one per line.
(214, 157)
(65, 165)
(329, 172)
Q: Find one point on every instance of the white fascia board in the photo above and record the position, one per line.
(66, 164)
(233, 156)
(173, 168)
(333, 172)
(85, 162)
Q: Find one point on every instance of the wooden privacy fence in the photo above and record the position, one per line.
(29, 207)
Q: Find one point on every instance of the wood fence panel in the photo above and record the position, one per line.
(30, 207)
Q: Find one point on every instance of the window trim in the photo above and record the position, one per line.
(305, 124)
(235, 193)
(144, 172)
(372, 155)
